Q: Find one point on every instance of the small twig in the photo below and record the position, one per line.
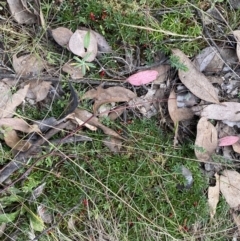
(55, 79)
(22, 157)
(57, 223)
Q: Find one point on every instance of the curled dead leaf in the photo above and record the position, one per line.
(194, 80)
(12, 140)
(19, 125)
(62, 35)
(12, 102)
(89, 118)
(75, 117)
(111, 94)
(206, 141)
(28, 64)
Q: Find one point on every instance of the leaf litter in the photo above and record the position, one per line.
(112, 101)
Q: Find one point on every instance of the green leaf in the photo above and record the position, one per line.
(36, 222)
(8, 217)
(86, 40)
(7, 200)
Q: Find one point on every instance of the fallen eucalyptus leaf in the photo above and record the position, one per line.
(194, 80)
(162, 73)
(203, 59)
(89, 118)
(28, 64)
(206, 140)
(20, 14)
(226, 111)
(19, 125)
(177, 114)
(38, 90)
(229, 187)
(75, 117)
(13, 101)
(103, 46)
(236, 147)
(143, 77)
(62, 35)
(12, 140)
(213, 196)
(109, 95)
(114, 144)
(76, 45)
(228, 140)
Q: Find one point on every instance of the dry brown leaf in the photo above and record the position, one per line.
(38, 90)
(229, 187)
(194, 80)
(13, 102)
(112, 94)
(219, 61)
(20, 14)
(162, 73)
(213, 60)
(73, 116)
(206, 141)
(28, 64)
(236, 147)
(88, 117)
(215, 79)
(62, 35)
(172, 107)
(114, 144)
(203, 59)
(12, 140)
(115, 113)
(19, 125)
(103, 46)
(74, 71)
(236, 34)
(5, 95)
(213, 196)
(236, 218)
(177, 114)
(76, 45)
(226, 111)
